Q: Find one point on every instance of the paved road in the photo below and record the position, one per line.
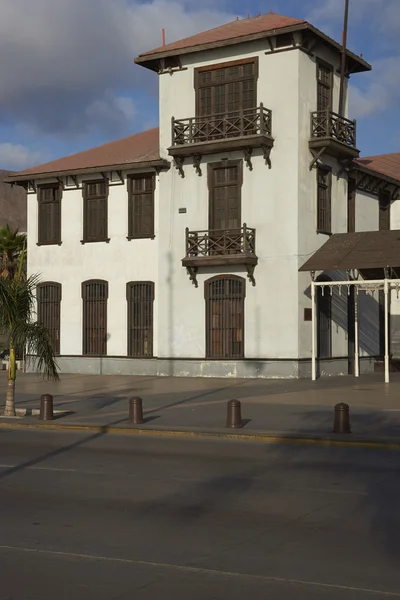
(114, 517)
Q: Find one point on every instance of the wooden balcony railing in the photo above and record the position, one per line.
(251, 121)
(327, 124)
(213, 243)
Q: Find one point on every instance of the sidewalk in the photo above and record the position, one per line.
(280, 408)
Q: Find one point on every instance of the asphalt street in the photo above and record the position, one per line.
(106, 517)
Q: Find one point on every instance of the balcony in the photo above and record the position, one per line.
(240, 130)
(220, 248)
(333, 134)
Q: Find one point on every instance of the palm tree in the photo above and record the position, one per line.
(17, 311)
(12, 245)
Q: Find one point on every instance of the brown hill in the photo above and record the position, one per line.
(12, 204)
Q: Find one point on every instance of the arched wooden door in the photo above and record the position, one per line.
(224, 296)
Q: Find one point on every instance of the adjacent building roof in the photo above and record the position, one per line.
(366, 250)
(384, 164)
(243, 30)
(137, 150)
(12, 205)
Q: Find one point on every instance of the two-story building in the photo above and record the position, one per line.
(177, 251)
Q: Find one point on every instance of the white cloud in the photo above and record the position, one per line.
(382, 91)
(61, 70)
(15, 157)
(379, 16)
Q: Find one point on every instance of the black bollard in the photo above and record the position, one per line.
(341, 422)
(136, 411)
(46, 408)
(234, 414)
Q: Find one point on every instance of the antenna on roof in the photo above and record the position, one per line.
(163, 36)
(343, 58)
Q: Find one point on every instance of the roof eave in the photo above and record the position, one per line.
(150, 60)
(161, 163)
(357, 167)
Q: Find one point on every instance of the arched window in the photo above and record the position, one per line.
(224, 297)
(48, 296)
(94, 296)
(140, 299)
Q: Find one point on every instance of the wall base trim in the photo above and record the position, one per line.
(175, 367)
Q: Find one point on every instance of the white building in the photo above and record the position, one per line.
(177, 251)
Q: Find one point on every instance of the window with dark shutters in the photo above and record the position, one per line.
(226, 89)
(224, 297)
(384, 211)
(94, 296)
(141, 206)
(324, 179)
(48, 295)
(49, 222)
(324, 86)
(95, 212)
(140, 298)
(225, 183)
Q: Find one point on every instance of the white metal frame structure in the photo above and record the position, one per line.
(360, 285)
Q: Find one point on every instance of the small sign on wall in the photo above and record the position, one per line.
(308, 314)
(181, 211)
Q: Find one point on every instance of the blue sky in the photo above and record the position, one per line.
(69, 82)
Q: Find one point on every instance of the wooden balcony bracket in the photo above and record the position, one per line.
(316, 155)
(192, 272)
(250, 273)
(178, 164)
(267, 155)
(345, 167)
(196, 163)
(32, 186)
(247, 152)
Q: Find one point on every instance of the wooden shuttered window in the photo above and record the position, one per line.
(48, 295)
(224, 297)
(140, 299)
(384, 211)
(351, 205)
(226, 89)
(324, 86)
(95, 296)
(141, 206)
(95, 211)
(324, 209)
(49, 222)
(225, 183)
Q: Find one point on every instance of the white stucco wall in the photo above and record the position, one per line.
(308, 239)
(269, 203)
(367, 212)
(117, 262)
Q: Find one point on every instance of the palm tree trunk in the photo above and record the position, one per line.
(9, 410)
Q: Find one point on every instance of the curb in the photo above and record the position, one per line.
(266, 438)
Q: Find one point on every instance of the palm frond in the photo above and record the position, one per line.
(35, 337)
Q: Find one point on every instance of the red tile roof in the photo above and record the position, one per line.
(242, 30)
(385, 164)
(139, 148)
(235, 29)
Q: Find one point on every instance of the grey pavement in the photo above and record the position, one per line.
(94, 516)
(295, 407)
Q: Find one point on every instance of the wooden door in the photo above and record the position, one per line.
(225, 204)
(324, 87)
(351, 330)
(225, 317)
(324, 304)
